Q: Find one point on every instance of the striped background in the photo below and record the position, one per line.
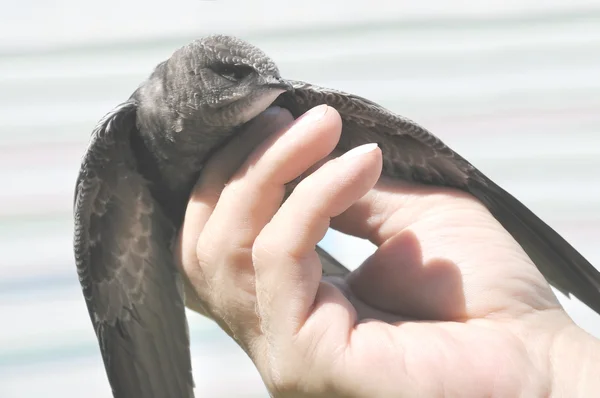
(514, 86)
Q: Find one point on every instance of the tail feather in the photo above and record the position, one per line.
(557, 260)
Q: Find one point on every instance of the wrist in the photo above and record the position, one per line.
(575, 362)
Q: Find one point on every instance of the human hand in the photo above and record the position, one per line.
(449, 305)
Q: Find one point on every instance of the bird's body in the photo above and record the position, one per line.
(146, 155)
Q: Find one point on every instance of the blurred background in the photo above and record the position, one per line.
(514, 86)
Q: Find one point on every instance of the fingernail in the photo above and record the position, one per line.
(269, 116)
(273, 110)
(312, 115)
(269, 121)
(359, 150)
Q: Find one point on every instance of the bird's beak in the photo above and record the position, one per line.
(280, 83)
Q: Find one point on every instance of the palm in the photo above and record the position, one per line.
(444, 319)
(440, 256)
(445, 356)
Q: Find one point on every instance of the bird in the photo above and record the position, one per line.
(145, 155)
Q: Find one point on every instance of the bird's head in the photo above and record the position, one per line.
(222, 81)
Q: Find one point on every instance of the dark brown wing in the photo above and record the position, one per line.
(123, 254)
(412, 153)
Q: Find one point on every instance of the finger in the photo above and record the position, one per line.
(223, 165)
(247, 203)
(288, 272)
(217, 171)
(395, 203)
(255, 192)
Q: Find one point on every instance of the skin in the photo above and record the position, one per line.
(449, 305)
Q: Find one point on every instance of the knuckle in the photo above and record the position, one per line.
(262, 248)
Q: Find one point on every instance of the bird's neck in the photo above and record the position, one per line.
(172, 145)
(171, 173)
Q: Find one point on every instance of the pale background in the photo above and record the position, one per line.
(514, 86)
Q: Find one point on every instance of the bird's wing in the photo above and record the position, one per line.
(412, 153)
(409, 150)
(123, 255)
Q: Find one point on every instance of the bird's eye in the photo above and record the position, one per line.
(234, 72)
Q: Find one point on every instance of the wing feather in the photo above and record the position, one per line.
(409, 151)
(127, 273)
